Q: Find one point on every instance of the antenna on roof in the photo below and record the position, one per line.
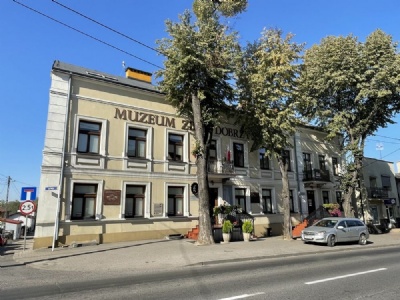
(379, 147)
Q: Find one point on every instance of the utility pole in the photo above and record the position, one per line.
(8, 189)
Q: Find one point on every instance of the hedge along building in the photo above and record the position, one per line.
(121, 161)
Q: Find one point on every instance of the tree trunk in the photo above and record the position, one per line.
(205, 236)
(347, 208)
(285, 200)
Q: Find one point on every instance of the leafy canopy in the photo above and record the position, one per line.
(266, 80)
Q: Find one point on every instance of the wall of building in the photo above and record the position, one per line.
(115, 108)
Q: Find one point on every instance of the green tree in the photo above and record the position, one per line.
(267, 75)
(351, 89)
(198, 66)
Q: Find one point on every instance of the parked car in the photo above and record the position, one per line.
(335, 230)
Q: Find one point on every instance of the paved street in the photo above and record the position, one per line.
(169, 254)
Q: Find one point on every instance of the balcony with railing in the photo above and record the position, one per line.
(377, 193)
(223, 168)
(316, 175)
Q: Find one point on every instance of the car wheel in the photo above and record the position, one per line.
(331, 240)
(362, 240)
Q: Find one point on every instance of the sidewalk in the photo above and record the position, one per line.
(167, 254)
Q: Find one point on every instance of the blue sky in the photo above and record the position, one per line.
(29, 43)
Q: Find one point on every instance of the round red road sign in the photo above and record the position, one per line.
(27, 207)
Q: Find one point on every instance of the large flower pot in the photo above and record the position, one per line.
(246, 236)
(226, 237)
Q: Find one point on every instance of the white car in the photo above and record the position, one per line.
(335, 230)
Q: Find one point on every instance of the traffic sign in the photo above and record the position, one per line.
(28, 193)
(27, 207)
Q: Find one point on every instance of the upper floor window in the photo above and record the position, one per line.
(264, 160)
(134, 201)
(175, 201)
(212, 152)
(335, 166)
(267, 201)
(307, 161)
(238, 154)
(175, 147)
(89, 137)
(137, 143)
(386, 182)
(84, 201)
(322, 164)
(286, 159)
(372, 182)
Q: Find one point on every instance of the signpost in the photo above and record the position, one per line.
(26, 208)
(28, 193)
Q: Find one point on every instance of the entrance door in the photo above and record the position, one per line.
(213, 201)
(310, 201)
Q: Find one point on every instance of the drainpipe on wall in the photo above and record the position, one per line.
(60, 182)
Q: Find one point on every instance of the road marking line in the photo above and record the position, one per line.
(344, 276)
(242, 296)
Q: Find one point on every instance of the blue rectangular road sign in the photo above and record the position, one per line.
(28, 193)
(50, 188)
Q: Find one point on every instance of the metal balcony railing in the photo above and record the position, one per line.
(316, 175)
(377, 193)
(216, 167)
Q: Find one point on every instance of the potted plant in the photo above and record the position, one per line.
(227, 227)
(247, 229)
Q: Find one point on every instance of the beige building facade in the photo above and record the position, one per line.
(117, 165)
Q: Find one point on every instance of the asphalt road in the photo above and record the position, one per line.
(357, 274)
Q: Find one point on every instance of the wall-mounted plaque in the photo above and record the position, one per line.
(158, 209)
(112, 197)
(195, 188)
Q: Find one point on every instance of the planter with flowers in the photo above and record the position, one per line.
(333, 209)
(227, 227)
(247, 229)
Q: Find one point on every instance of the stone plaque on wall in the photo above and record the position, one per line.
(158, 209)
(112, 197)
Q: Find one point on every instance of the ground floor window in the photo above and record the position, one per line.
(325, 197)
(255, 203)
(291, 201)
(175, 201)
(134, 201)
(267, 201)
(84, 201)
(240, 198)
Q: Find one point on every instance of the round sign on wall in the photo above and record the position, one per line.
(27, 207)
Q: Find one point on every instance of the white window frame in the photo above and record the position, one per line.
(102, 146)
(185, 154)
(149, 138)
(147, 204)
(99, 198)
(273, 195)
(186, 209)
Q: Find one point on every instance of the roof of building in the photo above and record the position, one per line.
(10, 221)
(80, 71)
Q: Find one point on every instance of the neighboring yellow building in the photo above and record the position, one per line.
(117, 165)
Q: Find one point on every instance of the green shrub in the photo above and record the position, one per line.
(227, 226)
(247, 226)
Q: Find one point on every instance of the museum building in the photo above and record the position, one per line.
(117, 165)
